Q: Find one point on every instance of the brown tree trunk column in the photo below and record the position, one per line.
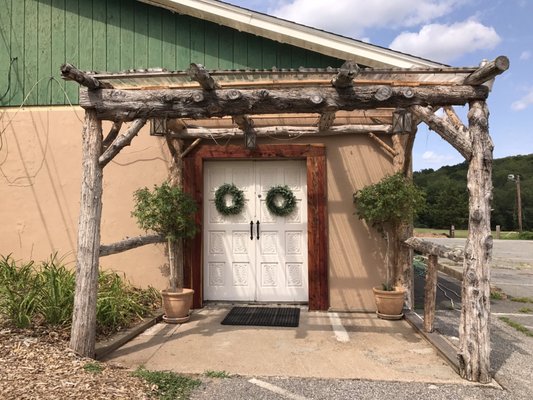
(474, 329)
(83, 331)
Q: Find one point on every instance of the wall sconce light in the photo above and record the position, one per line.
(402, 121)
(158, 126)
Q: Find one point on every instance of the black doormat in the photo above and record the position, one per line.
(263, 316)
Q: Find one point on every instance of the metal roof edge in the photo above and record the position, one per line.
(294, 34)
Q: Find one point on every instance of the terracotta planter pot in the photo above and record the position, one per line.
(389, 303)
(177, 305)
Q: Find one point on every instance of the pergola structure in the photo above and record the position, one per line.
(385, 104)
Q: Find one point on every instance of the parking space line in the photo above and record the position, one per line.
(338, 328)
(276, 389)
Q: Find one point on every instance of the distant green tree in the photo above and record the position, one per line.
(447, 196)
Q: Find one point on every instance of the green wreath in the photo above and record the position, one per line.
(237, 199)
(289, 201)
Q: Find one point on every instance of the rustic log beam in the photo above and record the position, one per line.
(191, 147)
(130, 243)
(224, 133)
(121, 141)
(458, 138)
(389, 150)
(124, 105)
(487, 71)
(244, 122)
(83, 330)
(430, 293)
(347, 73)
(326, 121)
(71, 73)
(407, 168)
(430, 248)
(112, 135)
(474, 327)
(198, 73)
(454, 118)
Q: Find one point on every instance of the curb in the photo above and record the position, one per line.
(443, 347)
(108, 346)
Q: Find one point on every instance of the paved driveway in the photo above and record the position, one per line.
(512, 264)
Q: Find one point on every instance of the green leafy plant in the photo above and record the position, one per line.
(119, 304)
(56, 297)
(526, 310)
(168, 211)
(44, 294)
(93, 367)
(19, 291)
(388, 204)
(168, 385)
(217, 374)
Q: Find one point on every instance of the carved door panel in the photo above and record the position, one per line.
(255, 256)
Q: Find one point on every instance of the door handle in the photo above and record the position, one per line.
(257, 229)
(251, 230)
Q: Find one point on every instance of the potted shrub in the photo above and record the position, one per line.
(387, 205)
(168, 211)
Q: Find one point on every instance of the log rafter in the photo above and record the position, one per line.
(458, 138)
(224, 133)
(121, 141)
(70, 72)
(122, 105)
(347, 73)
(488, 71)
(198, 73)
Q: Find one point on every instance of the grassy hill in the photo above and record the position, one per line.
(447, 196)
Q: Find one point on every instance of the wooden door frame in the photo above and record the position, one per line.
(317, 246)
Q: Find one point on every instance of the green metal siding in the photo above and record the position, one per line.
(37, 36)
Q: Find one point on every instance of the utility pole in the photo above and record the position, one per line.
(516, 179)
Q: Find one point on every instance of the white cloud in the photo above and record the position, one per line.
(446, 43)
(433, 158)
(525, 55)
(524, 102)
(352, 17)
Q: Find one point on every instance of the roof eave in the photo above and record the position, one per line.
(294, 34)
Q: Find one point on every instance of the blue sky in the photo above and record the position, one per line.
(457, 32)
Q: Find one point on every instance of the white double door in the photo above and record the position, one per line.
(255, 256)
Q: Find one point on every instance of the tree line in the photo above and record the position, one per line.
(447, 196)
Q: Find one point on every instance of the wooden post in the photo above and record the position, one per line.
(452, 231)
(430, 293)
(83, 331)
(175, 178)
(498, 232)
(474, 328)
(403, 254)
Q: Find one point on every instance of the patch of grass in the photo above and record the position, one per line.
(93, 367)
(168, 385)
(217, 374)
(517, 326)
(497, 294)
(522, 299)
(526, 310)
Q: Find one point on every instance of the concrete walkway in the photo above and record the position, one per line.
(325, 345)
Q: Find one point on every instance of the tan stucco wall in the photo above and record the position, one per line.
(40, 161)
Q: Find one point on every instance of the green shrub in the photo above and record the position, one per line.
(19, 291)
(56, 297)
(525, 235)
(119, 304)
(46, 294)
